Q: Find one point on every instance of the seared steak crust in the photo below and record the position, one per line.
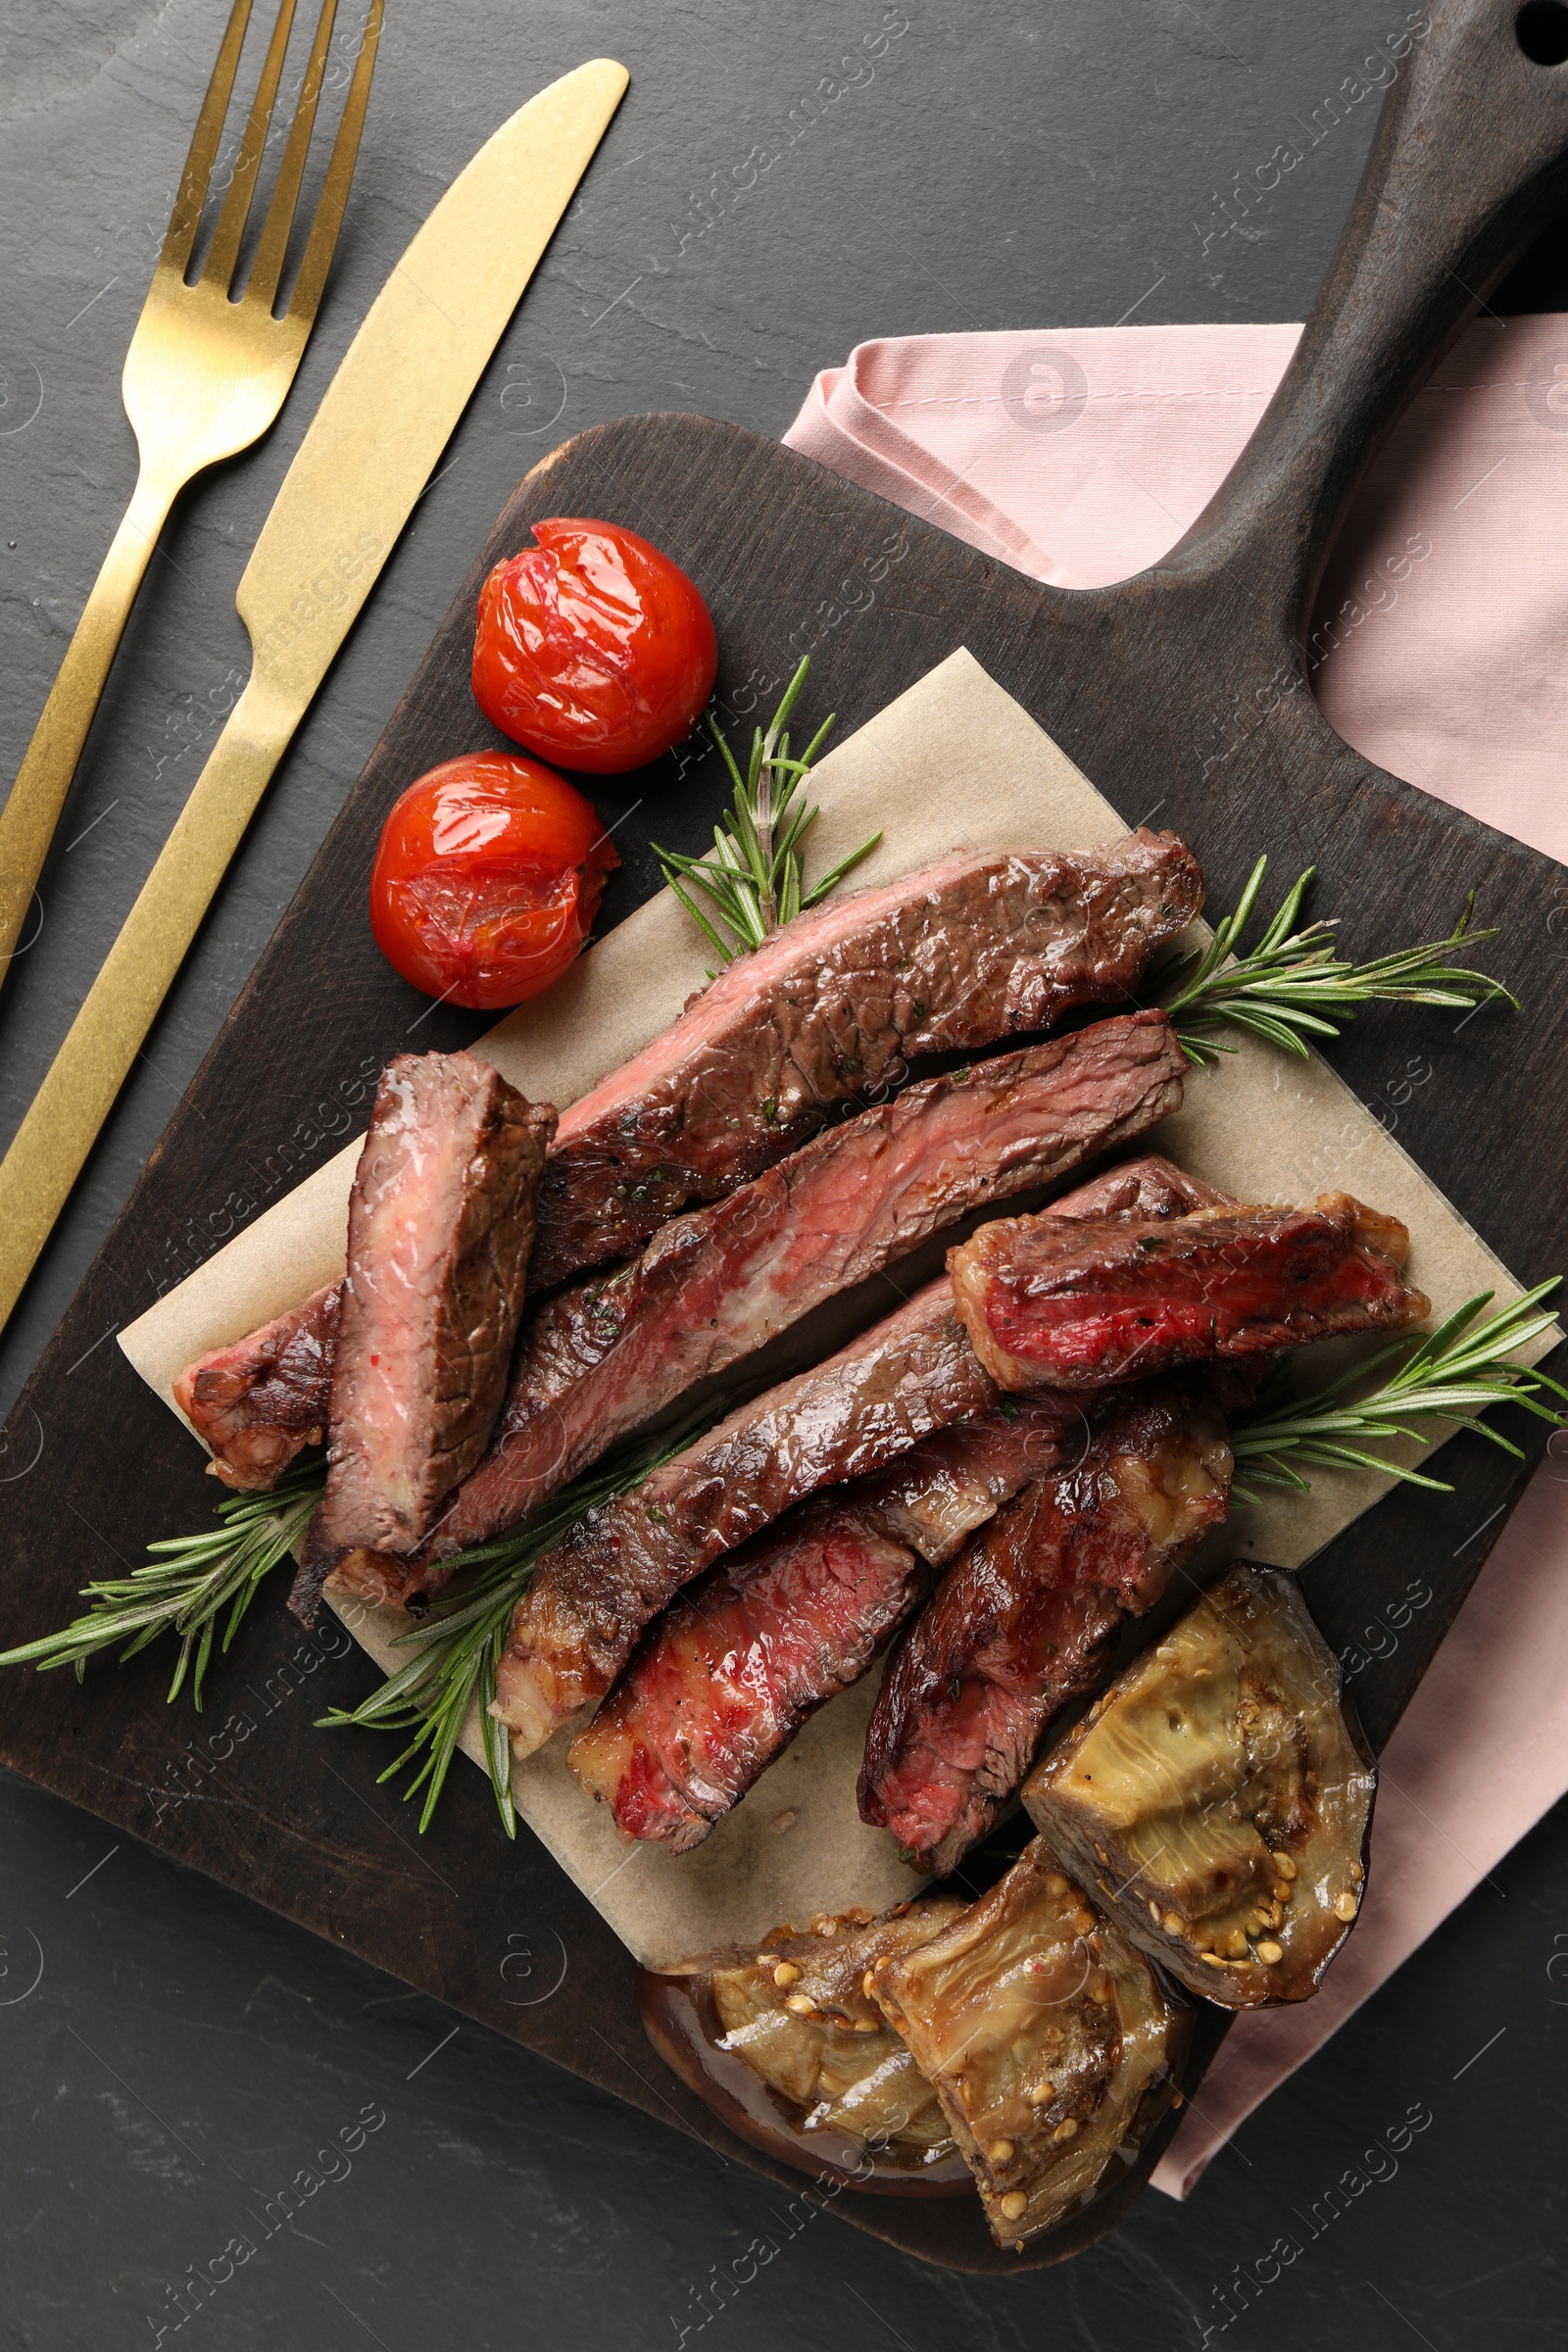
(1021, 1621)
(1123, 1296)
(440, 1225)
(730, 1673)
(933, 1497)
(590, 1598)
(724, 1679)
(597, 1359)
(257, 1402)
(982, 945)
(261, 1401)
(900, 1384)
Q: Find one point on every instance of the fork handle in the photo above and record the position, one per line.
(51, 1146)
(37, 797)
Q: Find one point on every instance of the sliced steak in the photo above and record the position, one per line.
(441, 1221)
(1123, 1296)
(1149, 1187)
(606, 1356)
(590, 1598)
(1022, 1622)
(982, 945)
(898, 1385)
(933, 1497)
(261, 1401)
(735, 1667)
(724, 1679)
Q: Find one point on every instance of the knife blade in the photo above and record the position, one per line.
(370, 449)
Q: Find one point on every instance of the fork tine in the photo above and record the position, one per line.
(339, 177)
(187, 212)
(268, 266)
(218, 268)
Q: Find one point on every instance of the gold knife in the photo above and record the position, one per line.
(389, 411)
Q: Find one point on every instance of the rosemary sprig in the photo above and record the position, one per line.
(459, 1644)
(1293, 979)
(752, 880)
(1456, 1373)
(185, 1588)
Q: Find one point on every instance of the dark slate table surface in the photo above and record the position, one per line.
(171, 2057)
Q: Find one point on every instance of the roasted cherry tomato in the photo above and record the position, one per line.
(487, 880)
(592, 648)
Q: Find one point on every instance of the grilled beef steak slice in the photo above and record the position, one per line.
(440, 1225)
(1149, 1187)
(261, 1401)
(721, 1682)
(899, 1384)
(730, 1673)
(590, 1598)
(724, 1679)
(933, 1497)
(1052, 1306)
(982, 945)
(601, 1358)
(272, 1394)
(1021, 1621)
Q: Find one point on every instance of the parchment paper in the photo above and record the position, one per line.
(953, 761)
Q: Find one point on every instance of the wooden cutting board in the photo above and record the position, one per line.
(1185, 688)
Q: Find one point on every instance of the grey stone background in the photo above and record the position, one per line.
(182, 2055)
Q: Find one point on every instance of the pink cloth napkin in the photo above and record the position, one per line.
(1080, 456)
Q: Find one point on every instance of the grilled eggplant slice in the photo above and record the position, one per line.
(1052, 2045)
(1218, 1797)
(788, 2047)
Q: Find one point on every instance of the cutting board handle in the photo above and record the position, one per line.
(1470, 157)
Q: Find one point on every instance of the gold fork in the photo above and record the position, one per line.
(205, 376)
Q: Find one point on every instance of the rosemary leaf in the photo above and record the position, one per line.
(1454, 1374)
(1284, 988)
(185, 1588)
(754, 879)
(459, 1644)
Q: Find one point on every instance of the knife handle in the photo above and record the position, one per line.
(36, 799)
(1470, 158)
(51, 1146)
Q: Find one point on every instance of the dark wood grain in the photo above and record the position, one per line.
(1189, 688)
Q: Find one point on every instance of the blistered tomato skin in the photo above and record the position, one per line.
(593, 648)
(487, 880)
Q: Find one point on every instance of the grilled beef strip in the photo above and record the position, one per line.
(933, 1497)
(1057, 1306)
(982, 945)
(441, 1222)
(726, 1677)
(606, 1356)
(590, 1598)
(260, 1401)
(263, 1399)
(1022, 1621)
(732, 1670)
